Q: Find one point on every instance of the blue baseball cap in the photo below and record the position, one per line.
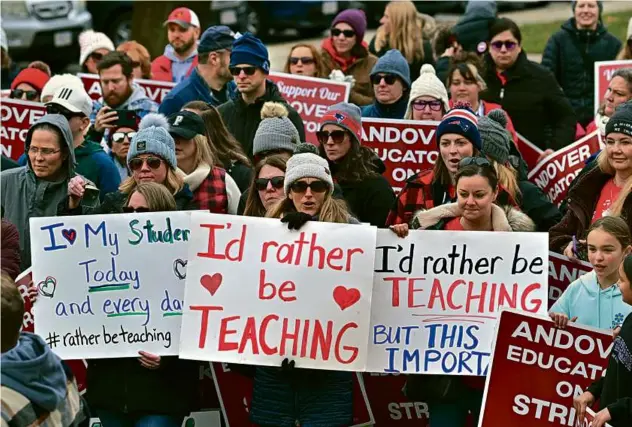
(217, 37)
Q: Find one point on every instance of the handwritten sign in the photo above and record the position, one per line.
(589, 418)
(554, 174)
(440, 292)
(257, 293)
(406, 147)
(603, 75)
(563, 272)
(155, 90)
(110, 285)
(537, 369)
(17, 117)
(529, 151)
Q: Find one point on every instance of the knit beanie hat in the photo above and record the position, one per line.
(427, 84)
(599, 5)
(89, 41)
(248, 49)
(58, 81)
(275, 131)
(621, 120)
(306, 163)
(495, 138)
(33, 76)
(460, 120)
(393, 62)
(347, 116)
(153, 138)
(356, 19)
(4, 42)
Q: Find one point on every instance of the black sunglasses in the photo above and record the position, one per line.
(421, 105)
(478, 161)
(120, 136)
(315, 186)
(335, 32)
(31, 95)
(57, 109)
(137, 163)
(303, 59)
(249, 71)
(337, 136)
(96, 56)
(510, 45)
(390, 79)
(129, 209)
(262, 183)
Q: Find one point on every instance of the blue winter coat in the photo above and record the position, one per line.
(382, 111)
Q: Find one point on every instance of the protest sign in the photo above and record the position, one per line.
(529, 151)
(589, 418)
(537, 369)
(389, 404)
(406, 147)
(440, 293)
(17, 117)
(155, 90)
(310, 97)
(257, 292)
(554, 174)
(563, 272)
(110, 285)
(603, 75)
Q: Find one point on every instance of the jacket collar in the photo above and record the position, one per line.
(503, 219)
(392, 111)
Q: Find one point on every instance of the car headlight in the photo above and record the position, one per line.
(80, 6)
(14, 9)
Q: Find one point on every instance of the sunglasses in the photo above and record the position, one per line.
(262, 183)
(120, 136)
(388, 78)
(508, 44)
(129, 209)
(478, 161)
(30, 94)
(316, 186)
(422, 105)
(337, 136)
(306, 60)
(56, 109)
(249, 71)
(335, 32)
(152, 162)
(96, 56)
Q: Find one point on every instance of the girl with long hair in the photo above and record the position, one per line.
(267, 186)
(305, 60)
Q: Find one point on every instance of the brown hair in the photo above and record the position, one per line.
(254, 206)
(143, 55)
(357, 165)
(197, 106)
(157, 196)
(224, 147)
(440, 172)
(615, 226)
(626, 50)
(406, 33)
(11, 312)
(332, 210)
(471, 68)
(318, 59)
(117, 58)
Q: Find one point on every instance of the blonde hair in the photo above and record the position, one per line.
(173, 182)
(507, 178)
(406, 33)
(606, 167)
(203, 151)
(332, 210)
(157, 196)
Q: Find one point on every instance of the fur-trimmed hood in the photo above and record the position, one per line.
(503, 218)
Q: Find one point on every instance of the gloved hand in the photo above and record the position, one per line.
(295, 220)
(337, 76)
(350, 79)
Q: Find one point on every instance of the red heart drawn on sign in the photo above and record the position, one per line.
(345, 298)
(211, 283)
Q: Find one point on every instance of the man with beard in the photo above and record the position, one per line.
(181, 54)
(211, 80)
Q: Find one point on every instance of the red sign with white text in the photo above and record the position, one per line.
(563, 272)
(406, 147)
(310, 97)
(389, 404)
(17, 117)
(537, 370)
(554, 174)
(589, 418)
(154, 89)
(603, 75)
(529, 151)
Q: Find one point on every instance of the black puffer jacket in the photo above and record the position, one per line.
(570, 54)
(242, 120)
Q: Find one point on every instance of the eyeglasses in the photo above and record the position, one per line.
(508, 44)
(31, 95)
(335, 32)
(129, 209)
(57, 109)
(306, 60)
(43, 151)
(388, 78)
(421, 105)
(96, 56)
(249, 71)
(478, 161)
(337, 136)
(316, 186)
(120, 136)
(262, 183)
(137, 163)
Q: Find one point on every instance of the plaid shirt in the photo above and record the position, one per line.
(211, 195)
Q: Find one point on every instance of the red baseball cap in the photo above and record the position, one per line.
(184, 17)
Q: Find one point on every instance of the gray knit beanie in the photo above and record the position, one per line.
(393, 62)
(347, 116)
(276, 131)
(153, 138)
(496, 140)
(306, 163)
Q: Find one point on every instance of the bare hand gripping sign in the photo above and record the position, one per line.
(107, 285)
(257, 293)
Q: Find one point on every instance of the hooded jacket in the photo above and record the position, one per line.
(94, 164)
(473, 27)
(169, 68)
(570, 55)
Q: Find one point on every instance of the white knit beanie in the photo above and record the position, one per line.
(427, 84)
(89, 41)
(306, 163)
(58, 81)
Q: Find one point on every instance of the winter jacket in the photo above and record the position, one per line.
(94, 164)
(485, 107)
(213, 190)
(169, 68)
(122, 170)
(570, 54)
(38, 389)
(531, 96)
(8, 74)
(8, 163)
(194, 88)
(242, 120)
(473, 27)
(241, 174)
(415, 66)
(420, 192)
(614, 391)
(391, 111)
(581, 203)
(535, 203)
(10, 249)
(362, 91)
(137, 101)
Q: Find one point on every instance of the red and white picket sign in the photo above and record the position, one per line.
(589, 418)
(603, 75)
(529, 151)
(155, 90)
(537, 369)
(389, 404)
(406, 147)
(310, 97)
(563, 272)
(17, 117)
(235, 394)
(554, 174)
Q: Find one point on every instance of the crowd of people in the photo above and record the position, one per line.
(225, 140)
